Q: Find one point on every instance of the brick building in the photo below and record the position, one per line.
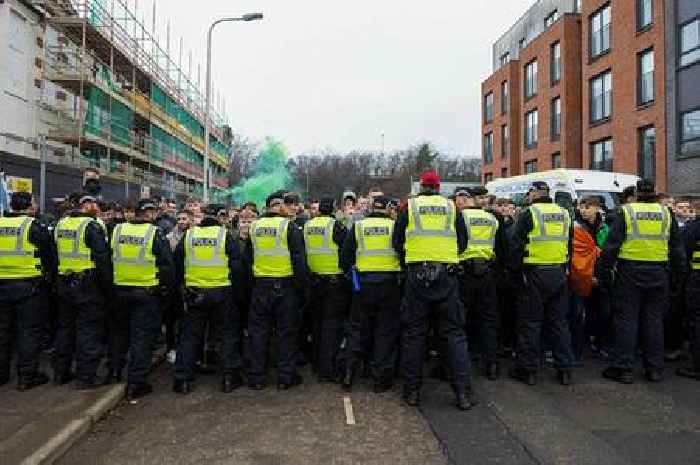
(592, 80)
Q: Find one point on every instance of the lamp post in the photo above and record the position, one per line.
(246, 17)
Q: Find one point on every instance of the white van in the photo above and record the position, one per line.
(566, 186)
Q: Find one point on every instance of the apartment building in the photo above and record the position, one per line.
(599, 89)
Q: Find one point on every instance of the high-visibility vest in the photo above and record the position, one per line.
(73, 252)
(206, 262)
(375, 252)
(695, 261)
(431, 235)
(648, 229)
(271, 258)
(481, 230)
(132, 255)
(548, 241)
(321, 250)
(18, 256)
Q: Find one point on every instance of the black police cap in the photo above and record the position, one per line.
(326, 205)
(146, 204)
(381, 202)
(277, 195)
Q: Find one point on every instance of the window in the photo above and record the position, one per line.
(504, 172)
(600, 32)
(555, 126)
(556, 160)
(488, 107)
(690, 132)
(488, 177)
(531, 129)
(530, 166)
(531, 79)
(690, 42)
(555, 63)
(645, 13)
(601, 97)
(602, 155)
(647, 152)
(488, 148)
(645, 80)
(504, 97)
(550, 19)
(505, 58)
(505, 141)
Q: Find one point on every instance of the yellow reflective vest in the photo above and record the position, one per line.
(18, 256)
(548, 241)
(73, 252)
(132, 255)
(271, 258)
(481, 230)
(321, 250)
(206, 262)
(695, 261)
(375, 252)
(647, 232)
(431, 235)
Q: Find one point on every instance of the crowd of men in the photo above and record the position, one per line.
(368, 289)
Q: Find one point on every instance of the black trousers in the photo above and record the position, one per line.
(141, 320)
(420, 303)
(216, 307)
(543, 305)
(693, 305)
(22, 319)
(329, 305)
(80, 326)
(375, 323)
(480, 300)
(640, 299)
(275, 303)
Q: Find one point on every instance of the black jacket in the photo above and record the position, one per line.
(399, 238)
(692, 240)
(41, 238)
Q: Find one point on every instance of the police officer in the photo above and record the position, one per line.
(539, 252)
(27, 268)
(374, 316)
(692, 289)
(208, 262)
(84, 279)
(323, 237)
(429, 236)
(479, 264)
(276, 252)
(144, 275)
(643, 239)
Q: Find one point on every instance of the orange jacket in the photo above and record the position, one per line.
(585, 254)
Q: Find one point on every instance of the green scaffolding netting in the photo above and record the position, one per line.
(103, 121)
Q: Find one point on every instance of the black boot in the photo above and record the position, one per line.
(382, 386)
(654, 376)
(296, 381)
(465, 401)
(87, 385)
(524, 376)
(411, 396)
(113, 377)
(692, 372)
(564, 377)
(348, 379)
(27, 382)
(231, 381)
(136, 391)
(619, 375)
(182, 386)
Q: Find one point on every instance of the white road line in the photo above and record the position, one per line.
(349, 414)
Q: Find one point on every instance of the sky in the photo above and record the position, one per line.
(319, 74)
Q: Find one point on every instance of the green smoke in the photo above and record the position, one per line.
(269, 174)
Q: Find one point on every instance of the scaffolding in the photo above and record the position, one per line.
(129, 108)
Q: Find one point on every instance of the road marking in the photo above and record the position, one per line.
(349, 414)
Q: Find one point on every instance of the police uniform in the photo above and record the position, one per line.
(643, 239)
(276, 254)
(143, 276)
(429, 236)
(692, 242)
(27, 267)
(330, 291)
(84, 278)
(539, 252)
(374, 315)
(208, 262)
(479, 284)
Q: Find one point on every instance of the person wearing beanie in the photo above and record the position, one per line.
(644, 239)
(144, 278)
(374, 321)
(275, 252)
(27, 269)
(329, 290)
(429, 236)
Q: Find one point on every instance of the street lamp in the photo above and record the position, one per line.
(246, 17)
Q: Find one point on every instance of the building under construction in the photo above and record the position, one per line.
(105, 93)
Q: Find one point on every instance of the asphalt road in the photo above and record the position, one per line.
(593, 421)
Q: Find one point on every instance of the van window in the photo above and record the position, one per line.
(564, 199)
(608, 199)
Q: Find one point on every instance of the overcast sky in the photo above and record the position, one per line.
(331, 73)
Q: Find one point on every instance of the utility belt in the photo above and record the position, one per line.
(477, 266)
(380, 276)
(427, 274)
(73, 280)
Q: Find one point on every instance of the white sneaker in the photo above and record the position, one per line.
(171, 356)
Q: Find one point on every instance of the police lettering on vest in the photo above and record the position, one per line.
(321, 249)
(206, 263)
(271, 257)
(375, 253)
(18, 256)
(548, 241)
(133, 259)
(431, 235)
(647, 232)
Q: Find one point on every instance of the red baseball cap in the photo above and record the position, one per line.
(430, 178)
